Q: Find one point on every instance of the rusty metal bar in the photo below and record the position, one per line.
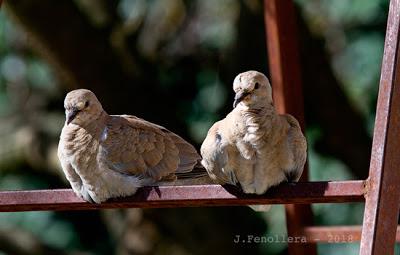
(336, 234)
(383, 190)
(284, 65)
(283, 55)
(186, 196)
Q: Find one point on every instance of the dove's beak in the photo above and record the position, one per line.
(239, 97)
(71, 115)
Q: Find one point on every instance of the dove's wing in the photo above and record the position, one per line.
(298, 146)
(188, 155)
(136, 147)
(214, 151)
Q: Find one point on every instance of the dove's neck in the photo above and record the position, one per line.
(89, 131)
(80, 143)
(260, 113)
(97, 125)
(259, 119)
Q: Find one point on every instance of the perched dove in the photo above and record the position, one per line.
(254, 146)
(105, 156)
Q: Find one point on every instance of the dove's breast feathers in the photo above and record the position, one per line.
(77, 147)
(257, 150)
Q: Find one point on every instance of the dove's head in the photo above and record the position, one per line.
(82, 107)
(252, 89)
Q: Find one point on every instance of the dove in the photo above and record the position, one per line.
(253, 146)
(105, 156)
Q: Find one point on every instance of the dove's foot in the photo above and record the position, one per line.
(86, 196)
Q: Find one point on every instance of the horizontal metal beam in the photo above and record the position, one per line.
(187, 196)
(336, 234)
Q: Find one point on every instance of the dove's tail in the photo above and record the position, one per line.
(198, 171)
(198, 176)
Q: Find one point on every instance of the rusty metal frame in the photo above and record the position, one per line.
(383, 190)
(380, 191)
(284, 65)
(185, 196)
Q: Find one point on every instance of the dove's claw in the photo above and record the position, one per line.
(86, 196)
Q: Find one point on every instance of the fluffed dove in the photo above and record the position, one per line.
(105, 156)
(254, 146)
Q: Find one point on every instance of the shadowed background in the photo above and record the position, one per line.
(173, 62)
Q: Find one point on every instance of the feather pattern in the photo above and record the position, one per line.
(107, 156)
(253, 146)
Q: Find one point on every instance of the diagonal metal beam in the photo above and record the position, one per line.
(383, 189)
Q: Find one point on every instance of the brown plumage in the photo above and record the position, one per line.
(253, 146)
(107, 156)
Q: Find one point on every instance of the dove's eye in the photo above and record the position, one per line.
(86, 104)
(257, 85)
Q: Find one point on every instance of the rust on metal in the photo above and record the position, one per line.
(186, 196)
(283, 55)
(284, 65)
(367, 186)
(336, 234)
(383, 197)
